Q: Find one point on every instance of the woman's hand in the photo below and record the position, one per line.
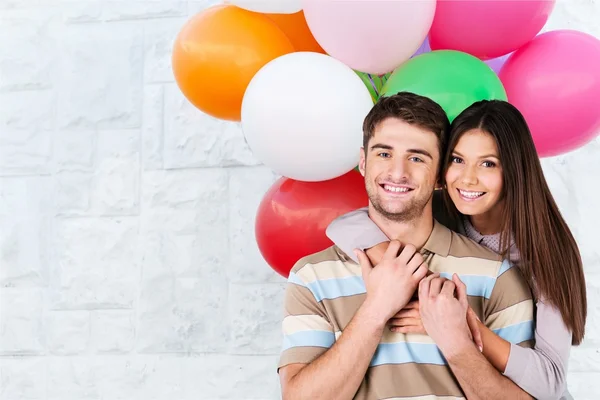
(408, 320)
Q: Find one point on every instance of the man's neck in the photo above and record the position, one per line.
(415, 232)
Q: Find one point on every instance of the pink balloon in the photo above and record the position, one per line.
(554, 80)
(487, 28)
(370, 36)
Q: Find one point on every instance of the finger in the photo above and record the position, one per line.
(461, 290)
(406, 254)
(421, 272)
(412, 313)
(412, 305)
(436, 286)
(404, 322)
(424, 286)
(448, 288)
(409, 329)
(415, 262)
(473, 322)
(392, 250)
(365, 264)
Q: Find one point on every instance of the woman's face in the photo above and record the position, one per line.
(474, 176)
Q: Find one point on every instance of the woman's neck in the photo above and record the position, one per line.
(488, 223)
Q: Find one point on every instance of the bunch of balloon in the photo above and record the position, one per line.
(553, 78)
(301, 75)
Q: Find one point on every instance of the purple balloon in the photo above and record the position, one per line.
(425, 48)
(497, 63)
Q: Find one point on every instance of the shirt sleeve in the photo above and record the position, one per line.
(307, 331)
(542, 371)
(355, 230)
(509, 309)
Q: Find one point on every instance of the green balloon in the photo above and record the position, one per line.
(453, 79)
(373, 82)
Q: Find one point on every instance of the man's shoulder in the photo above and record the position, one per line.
(472, 258)
(462, 246)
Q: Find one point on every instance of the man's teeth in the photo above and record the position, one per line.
(395, 189)
(471, 195)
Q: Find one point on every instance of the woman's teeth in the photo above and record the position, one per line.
(470, 195)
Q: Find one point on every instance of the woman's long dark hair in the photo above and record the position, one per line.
(549, 256)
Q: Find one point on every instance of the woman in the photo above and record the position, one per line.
(495, 193)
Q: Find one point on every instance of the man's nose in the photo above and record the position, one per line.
(399, 170)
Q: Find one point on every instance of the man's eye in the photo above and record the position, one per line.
(416, 159)
(384, 154)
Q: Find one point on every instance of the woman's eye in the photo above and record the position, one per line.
(488, 164)
(456, 160)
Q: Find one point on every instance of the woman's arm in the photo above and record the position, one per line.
(542, 371)
(356, 230)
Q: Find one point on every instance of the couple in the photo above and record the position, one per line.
(447, 308)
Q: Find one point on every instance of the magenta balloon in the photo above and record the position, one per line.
(554, 80)
(487, 28)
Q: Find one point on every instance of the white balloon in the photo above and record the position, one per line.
(302, 116)
(269, 6)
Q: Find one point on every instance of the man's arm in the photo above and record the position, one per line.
(339, 372)
(478, 378)
(444, 318)
(316, 366)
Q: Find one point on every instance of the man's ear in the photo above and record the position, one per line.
(362, 162)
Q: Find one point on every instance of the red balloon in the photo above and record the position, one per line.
(293, 215)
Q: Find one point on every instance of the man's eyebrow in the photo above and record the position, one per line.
(381, 146)
(420, 151)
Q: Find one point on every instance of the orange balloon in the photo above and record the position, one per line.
(219, 51)
(296, 28)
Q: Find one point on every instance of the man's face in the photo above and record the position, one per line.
(400, 168)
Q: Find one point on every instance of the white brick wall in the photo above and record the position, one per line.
(128, 266)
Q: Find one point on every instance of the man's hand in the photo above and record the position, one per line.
(392, 282)
(444, 316)
(408, 320)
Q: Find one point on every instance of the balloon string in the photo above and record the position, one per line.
(373, 84)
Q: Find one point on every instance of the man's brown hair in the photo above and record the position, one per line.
(411, 108)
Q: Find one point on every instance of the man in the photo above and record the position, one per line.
(336, 343)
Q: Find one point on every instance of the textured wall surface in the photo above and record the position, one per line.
(128, 266)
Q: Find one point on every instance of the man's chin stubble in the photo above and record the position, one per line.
(411, 213)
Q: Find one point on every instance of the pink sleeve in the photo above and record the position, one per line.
(355, 230)
(542, 371)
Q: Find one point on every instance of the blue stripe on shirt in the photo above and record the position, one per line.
(517, 333)
(406, 352)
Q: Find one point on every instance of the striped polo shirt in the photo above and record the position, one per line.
(326, 289)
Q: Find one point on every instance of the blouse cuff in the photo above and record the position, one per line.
(517, 363)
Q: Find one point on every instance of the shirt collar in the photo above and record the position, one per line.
(439, 240)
